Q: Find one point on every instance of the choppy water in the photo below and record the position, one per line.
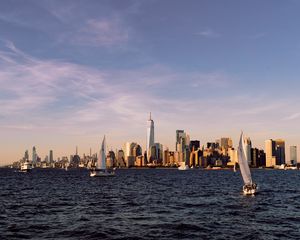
(148, 204)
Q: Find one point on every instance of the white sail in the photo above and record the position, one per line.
(101, 162)
(244, 167)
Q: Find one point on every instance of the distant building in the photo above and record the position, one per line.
(51, 156)
(166, 157)
(280, 151)
(275, 152)
(233, 155)
(194, 145)
(26, 156)
(34, 156)
(182, 146)
(111, 159)
(258, 158)
(121, 159)
(131, 151)
(150, 134)
(213, 145)
(179, 135)
(248, 146)
(226, 143)
(293, 155)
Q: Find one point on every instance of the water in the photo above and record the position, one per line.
(148, 204)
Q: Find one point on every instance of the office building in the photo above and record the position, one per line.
(275, 152)
(51, 156)
(34, 156)
(150, 134)
(293, 155)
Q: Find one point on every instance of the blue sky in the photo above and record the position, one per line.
(71, 71)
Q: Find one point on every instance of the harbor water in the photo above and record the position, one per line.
(148, 204)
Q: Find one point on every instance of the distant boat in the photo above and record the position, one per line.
(249, 187)
(183, 166)
(100, 170)
(234, 167)
(25, 167)
(67, 167)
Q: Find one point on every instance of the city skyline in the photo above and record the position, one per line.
(71, 72)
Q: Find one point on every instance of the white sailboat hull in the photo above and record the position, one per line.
(250, 190)
(183, 167)
(102, 173)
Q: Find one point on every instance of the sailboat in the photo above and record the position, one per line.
(234, 167)
(183, 166)
(100, 170)
(249, 187)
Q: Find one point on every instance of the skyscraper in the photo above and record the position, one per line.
(275, 152)
(180, 135)
(293, 154)
(280, 151)
(50, 156)
(270, 153)
(248, 146)
(26, 155)
(182, 146)
(34, 155)
(150, 134)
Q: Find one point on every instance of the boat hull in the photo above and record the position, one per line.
(102, 173)
(25, 167)
(250, 189)
(183, 168)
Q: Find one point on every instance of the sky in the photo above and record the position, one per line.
(72, 71)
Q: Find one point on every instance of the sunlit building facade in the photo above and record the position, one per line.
(150, 135)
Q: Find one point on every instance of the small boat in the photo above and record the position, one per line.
(249, 187)
(234, 167)
(100, 170)
(25, 167)
(183, 166)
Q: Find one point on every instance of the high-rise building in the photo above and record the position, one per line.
(275, 152)
(293, 155)
(26, 155)
(233, 155)
(131, 151)
(51, 156)
(179, 135)
(258, 157)
(150, 134)
(34, 155)
(248, 146)
(194, 145)
(121, 159)
(280, 151)
(182, 146)
(225, 143)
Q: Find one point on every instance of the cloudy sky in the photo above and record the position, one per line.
(72, 71)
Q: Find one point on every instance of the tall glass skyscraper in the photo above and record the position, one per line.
(293, 154)
(150, 134)
(34, 155)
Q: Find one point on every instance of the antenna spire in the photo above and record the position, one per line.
(150, 116)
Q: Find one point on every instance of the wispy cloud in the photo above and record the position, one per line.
(47, 88)
(293, 116)
(208, 33)
(100, 32)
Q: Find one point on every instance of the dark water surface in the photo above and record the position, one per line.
(148, 204)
